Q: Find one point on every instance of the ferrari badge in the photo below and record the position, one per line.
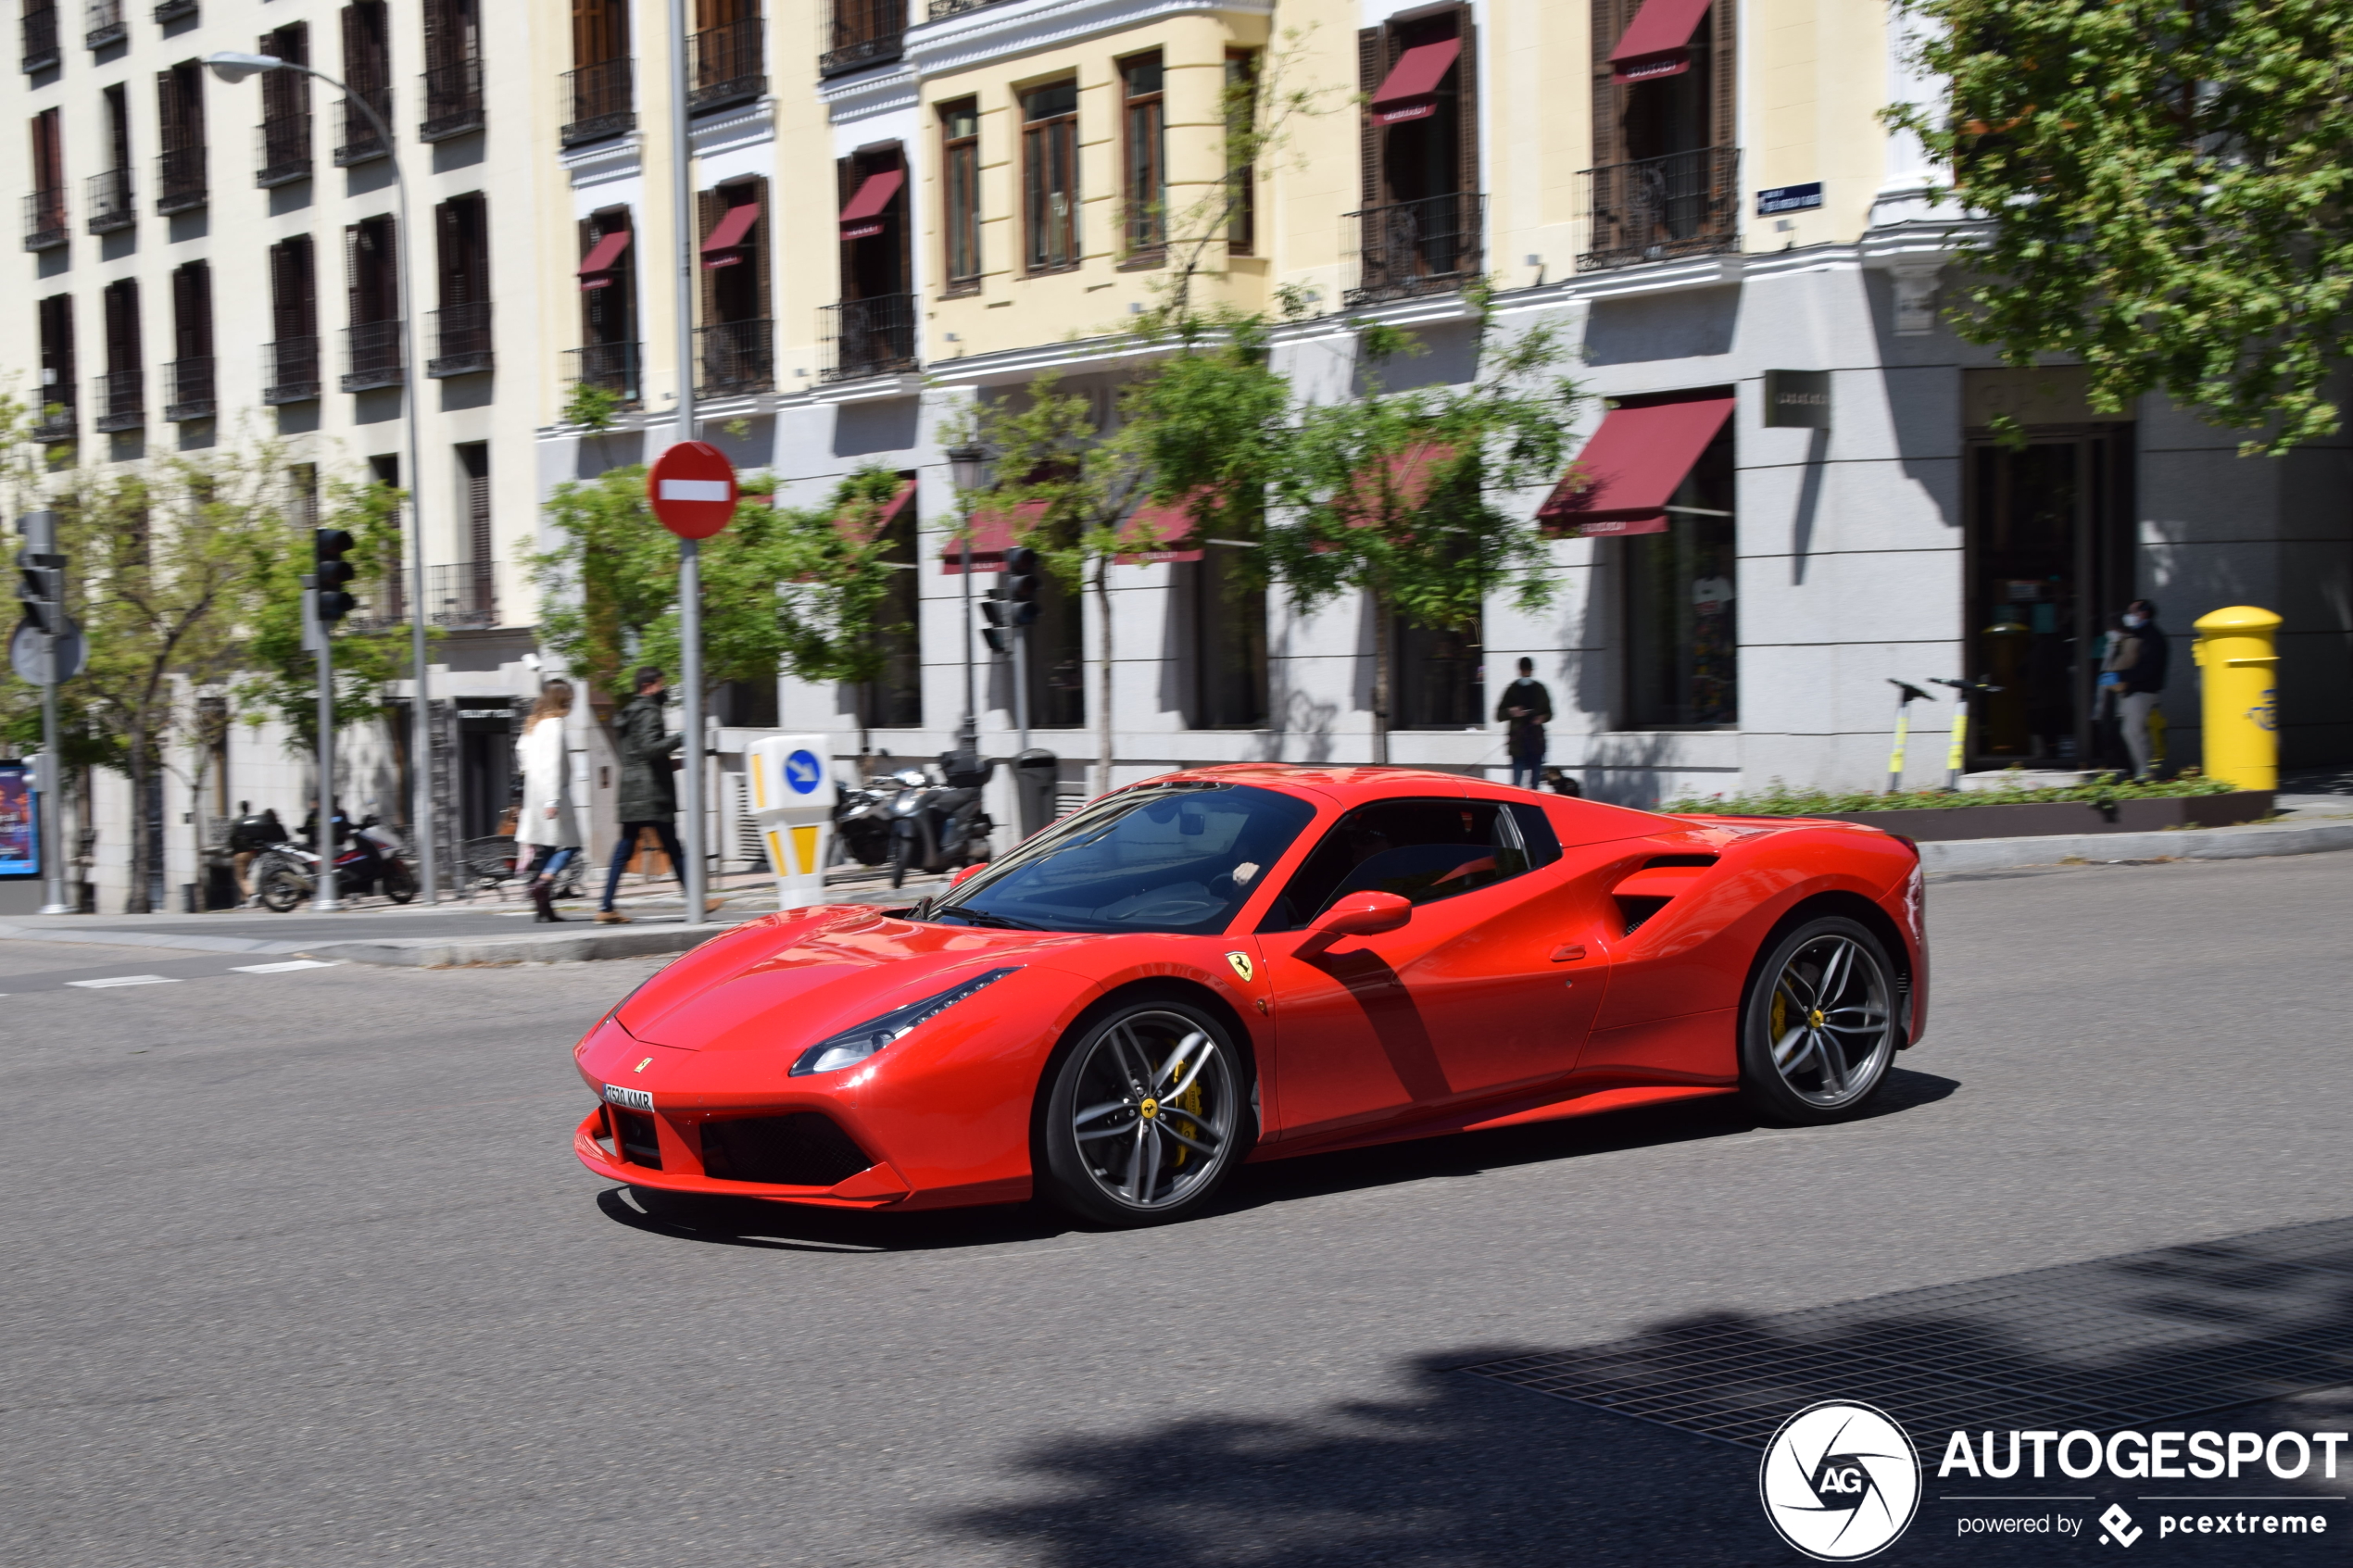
(1241, 965)
(643, 1065)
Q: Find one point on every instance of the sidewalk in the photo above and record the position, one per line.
(2307, 824)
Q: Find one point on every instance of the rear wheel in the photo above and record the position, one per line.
(903, 849)
(1819, 1029)
(398, 882)
(279, 885)
(1146, 1115)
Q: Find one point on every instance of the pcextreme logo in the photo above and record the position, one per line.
(1840, 1481)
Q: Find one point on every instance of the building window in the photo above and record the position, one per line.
(894, 700)
(1050, 176)
(726, 56)
(292, 373)
(1241, 174)
(1144, 164)
(599, 96)
(1229, 640)
(608, 355)
(372, 275)
(1683, 629)
(285, 109)
(1665, 175)
(1435, 676)
(459, 341)
(960, 175)
(180, 172)
(189, 394)
(367, 71)
(44, 226)
(1419, 228)
(122, 390)
(872, 331)
(453, 69)
(1057, 658)
(57, 391)
(736, 341)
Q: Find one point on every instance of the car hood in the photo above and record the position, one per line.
(816, 972)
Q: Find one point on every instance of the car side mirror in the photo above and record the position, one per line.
(1359, 914)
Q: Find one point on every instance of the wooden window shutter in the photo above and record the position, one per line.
(1609, 106)
(756, 251)
(123, 325)
(167, 124)
(709, 207)
(192, 311)
(49, 153)
(57, 348)
(1467, 113)
(354, 240)
(452, 246)
(845, 186)
(1724, 112)
(1372, 63)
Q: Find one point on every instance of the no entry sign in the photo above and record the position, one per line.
(692, 487)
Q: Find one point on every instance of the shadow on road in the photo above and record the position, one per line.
(786, 1227)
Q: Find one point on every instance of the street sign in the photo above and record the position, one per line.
(692, 486)
(27, 654)
(1797, 399)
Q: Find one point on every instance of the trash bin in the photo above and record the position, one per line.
(1034, 773)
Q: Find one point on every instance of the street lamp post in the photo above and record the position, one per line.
(682, 211)
(969, 465)
(233, 67)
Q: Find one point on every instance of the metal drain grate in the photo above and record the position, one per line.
(2117, 1342)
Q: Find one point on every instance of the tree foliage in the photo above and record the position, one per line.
(2167, 181)
(281, 679)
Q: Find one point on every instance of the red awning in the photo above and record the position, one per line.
(1164, 532)
(862, 217)
(994, 533)
(723, 245)
(1657, 42)
(1408, 475)
(1410, 91)
(596, 268)
(864, 524)
(1631, 467)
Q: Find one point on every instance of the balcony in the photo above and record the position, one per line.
(121, 397)
(461, 341)
(290, 371)
(172, 10)
(190, 390)
(111, 206)
(356, 139)
(44, 220)
(179, 179)
(725, 67)
(1411, 249)
(56, 420)
(463, 596)
(40, 37)
(384, 603)
(283, 153)
(862, 33)
(610, 367)
(105, 24)
(735, 356)
(453, 101)
(869, 337)
(371, 356)
(1663, 208)
(940, 8)
(598, 102)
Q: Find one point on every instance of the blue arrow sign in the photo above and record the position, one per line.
(802, 773)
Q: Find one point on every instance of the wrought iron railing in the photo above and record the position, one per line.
(939, 9)
(372, 356)
(290, 371)
(460, 340)
(869, 337)
(110, 202)
(463, 595)
(188, 389)
(598, 102)
(356, 139)
(40, 37)
(735, 356)
(384, 600)
(284, 155)
(453, 101)
(44, 220)
(104, 24)
(172, 10)
(1412, 248)
(609, 367)
(1661, 209)
(724, 66)
(862, 33)
(121, 397)
(179, 179)
(56, 419)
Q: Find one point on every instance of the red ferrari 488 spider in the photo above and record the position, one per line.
(1247, 962)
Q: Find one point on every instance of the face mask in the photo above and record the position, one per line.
(2136, 621)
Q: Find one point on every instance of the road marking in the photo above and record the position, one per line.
(284, 968)
(125, 980)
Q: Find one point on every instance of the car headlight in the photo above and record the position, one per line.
(854, 1045)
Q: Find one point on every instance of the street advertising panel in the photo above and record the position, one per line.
(19, 822)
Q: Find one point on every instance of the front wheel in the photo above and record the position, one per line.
(903, 849)
(1147, 1114)
(398, 882)
(1819, 1029)
(279, 885)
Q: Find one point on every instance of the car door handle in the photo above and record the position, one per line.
(1568, 951)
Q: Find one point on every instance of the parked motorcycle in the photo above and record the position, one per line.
(937, 827)
(862, 821)
(286, 874)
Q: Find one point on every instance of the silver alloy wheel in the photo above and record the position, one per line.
(1832, 1029)
(1156, 1110)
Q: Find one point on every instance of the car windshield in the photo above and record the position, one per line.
(1176, 858)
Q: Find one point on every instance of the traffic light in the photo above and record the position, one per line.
(1022, 584)
(997, 633)
(40, 574)
(330, 571)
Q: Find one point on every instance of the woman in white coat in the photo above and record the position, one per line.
(547, 822)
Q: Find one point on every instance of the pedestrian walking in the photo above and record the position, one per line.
(1526, 708)
(648, 792)
(546, 822)
(2137, 656)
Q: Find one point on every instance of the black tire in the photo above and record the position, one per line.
(1105, 1097)
(1799, 1064)
(398, 882)
(903, 849)
(279, 886)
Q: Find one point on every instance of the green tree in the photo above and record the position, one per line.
(281, 680)
(2170, 190)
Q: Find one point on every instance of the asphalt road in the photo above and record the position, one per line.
(301, 1271)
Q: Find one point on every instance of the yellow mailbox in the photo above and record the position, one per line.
(2239, 658)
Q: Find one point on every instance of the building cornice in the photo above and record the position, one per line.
(870, 94)
(598, 163)
(975, 38)
(742, 126)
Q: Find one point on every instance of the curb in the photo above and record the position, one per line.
(454, 952)
(112, 938)
(2199, 844)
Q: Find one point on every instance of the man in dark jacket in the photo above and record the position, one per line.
(2137, 658)
(1524, 712)
(648, 793)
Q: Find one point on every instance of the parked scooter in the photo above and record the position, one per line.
(862, 821)
(937, 827)
(286, 874)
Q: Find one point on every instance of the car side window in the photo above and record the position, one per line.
(1422, 850)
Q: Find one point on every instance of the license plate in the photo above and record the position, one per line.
(635, 1100)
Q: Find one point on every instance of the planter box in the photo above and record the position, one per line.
(2066, 817)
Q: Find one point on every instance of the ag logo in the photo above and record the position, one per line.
(1241, 965)
(1840, 1481)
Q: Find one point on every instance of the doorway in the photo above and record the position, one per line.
(2049, 562)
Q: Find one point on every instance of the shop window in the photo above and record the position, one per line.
(1681, 606)
(1050, 176)
(1144, 136)
(1241, 175)
(1435, 676)
(1057, 658)
(960, 175)
(1228, 613)
(894, 700)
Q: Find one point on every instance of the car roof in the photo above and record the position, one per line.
(1352, 785)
